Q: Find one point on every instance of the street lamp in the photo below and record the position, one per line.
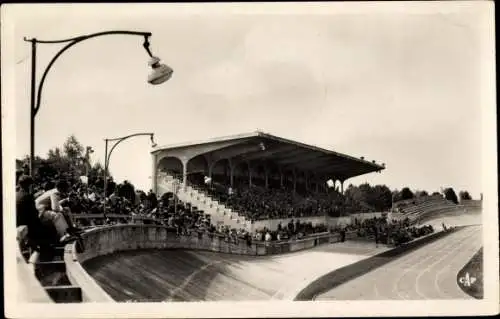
(107, 156)
(160, 72)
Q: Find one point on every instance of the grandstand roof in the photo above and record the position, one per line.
(264, 147)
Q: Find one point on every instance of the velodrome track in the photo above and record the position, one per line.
(180, 275)
(426, 273)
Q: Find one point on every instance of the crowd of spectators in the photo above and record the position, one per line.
(292, 230)
(261, 203)
(394, 232)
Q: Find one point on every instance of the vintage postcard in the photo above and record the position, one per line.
(249, 160)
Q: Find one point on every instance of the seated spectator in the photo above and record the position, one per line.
(39, 235)
(50, 210)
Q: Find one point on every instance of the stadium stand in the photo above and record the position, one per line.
(423, 207)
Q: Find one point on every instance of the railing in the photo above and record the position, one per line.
(219, 212)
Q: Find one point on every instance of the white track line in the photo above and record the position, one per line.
(444, 256)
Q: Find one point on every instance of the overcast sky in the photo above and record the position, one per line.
(402, 88)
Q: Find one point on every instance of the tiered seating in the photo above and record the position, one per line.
(424, 206)
(260, 203)
(472, 204)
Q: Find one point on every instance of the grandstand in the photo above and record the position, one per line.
(267, 177)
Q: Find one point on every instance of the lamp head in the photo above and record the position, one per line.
(160, 72)
(153, 143)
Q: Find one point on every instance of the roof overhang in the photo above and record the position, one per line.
(286, 154)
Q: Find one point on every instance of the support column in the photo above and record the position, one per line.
(184, 172)
(306, 181)
(249, 175)
(231, 172)
(266, 172)
(210, 169)
(281, 178)
(342, 187)
(294, 180)
(154, 173)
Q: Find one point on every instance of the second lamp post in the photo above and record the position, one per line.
(107, 156)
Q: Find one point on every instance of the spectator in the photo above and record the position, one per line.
(50, 209)
(39, 236)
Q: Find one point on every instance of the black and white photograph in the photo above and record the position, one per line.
(249, 159)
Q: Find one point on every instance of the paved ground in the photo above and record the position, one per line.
(180, 275)
(427, 273)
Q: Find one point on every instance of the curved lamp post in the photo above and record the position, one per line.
(107, 156)
(159, 74)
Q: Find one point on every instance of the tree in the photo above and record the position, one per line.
(382, 198)
(464, 195)
(396, 195)
(406, 193)
(436, 194)
(450, 195)
(74, 153)
(378, 198)
(421, 194)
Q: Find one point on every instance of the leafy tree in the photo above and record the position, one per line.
(450, 195)
(437, 194)
(382, 197)
(376, 198)
(396, 195)
(464, 195)
(74, 154)
(406, 193)
(421, 193)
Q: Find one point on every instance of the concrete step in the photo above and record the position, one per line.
(45, 271)
(65, 294)
(54, 279)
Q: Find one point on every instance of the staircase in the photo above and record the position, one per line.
(219, 213)
(49, 269)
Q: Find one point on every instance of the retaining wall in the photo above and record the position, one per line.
(107, 240)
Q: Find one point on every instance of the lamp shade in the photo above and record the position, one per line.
(160, 72)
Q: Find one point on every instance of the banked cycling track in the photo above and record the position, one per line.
(428, 272)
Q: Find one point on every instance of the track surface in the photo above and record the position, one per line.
(427, 273)
(179, 275)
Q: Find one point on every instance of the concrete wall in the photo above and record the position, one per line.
(108, 240)
(330, 221)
